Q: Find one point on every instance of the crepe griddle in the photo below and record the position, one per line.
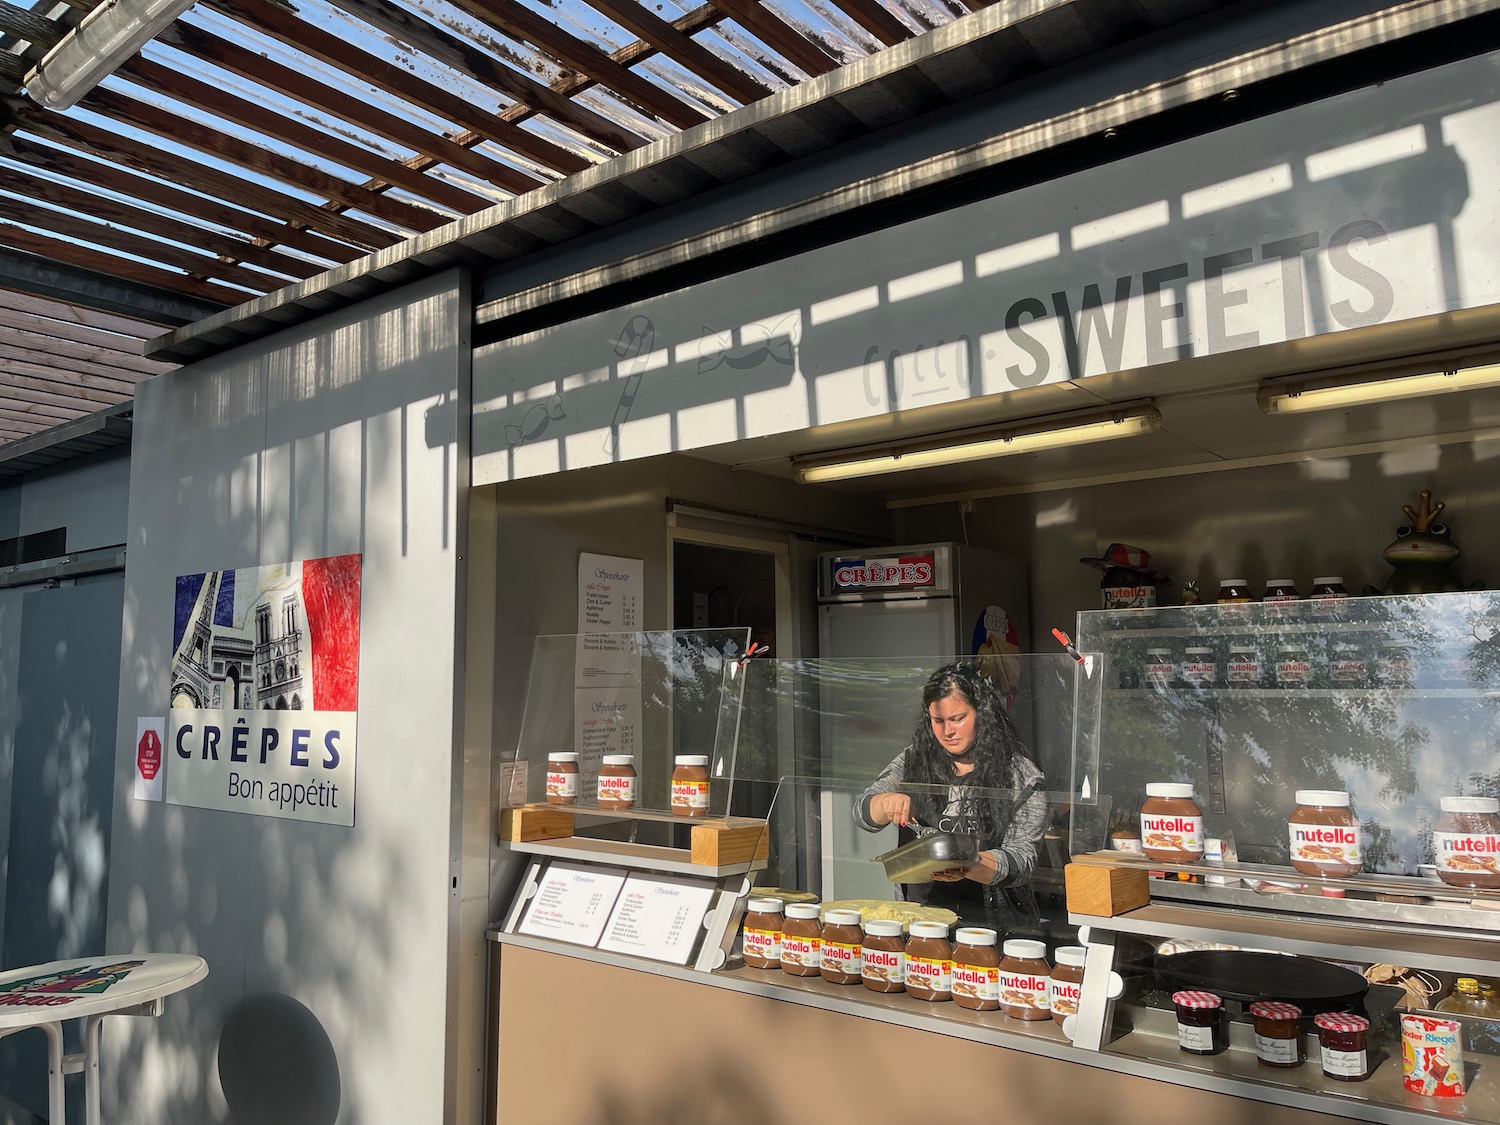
(1236, 974)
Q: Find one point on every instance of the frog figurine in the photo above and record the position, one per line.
(1423, 554)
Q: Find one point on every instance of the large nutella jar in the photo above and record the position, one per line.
(929, 962)
(1171, 824)
(1065, 986)
(617, 782)
(976, 970)
(884, 966)
(562, 779)
(1466, 840)
(760, 940)
(690, 785)
(1023, 980)
(801, 940)
(843, 957)
(1324, 835)
(1234, 591)
(1281, 591)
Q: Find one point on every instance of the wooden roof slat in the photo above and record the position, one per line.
(60, 352)
(41, 307)
(105, 346)
(40, 420)
(75, 375)
(223, 185)
(875, 18)
(779, 35)
(27, 402)
(114, 178)
(46, 392)
(534, 96)
(683, 49)
(29, 26)
(279, 23)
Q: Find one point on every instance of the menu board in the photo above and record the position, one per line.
(573, 903)
(659, 917)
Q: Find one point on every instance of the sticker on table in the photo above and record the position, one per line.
(149, 735)
(659, 916)
(572, 903)
(88, 979)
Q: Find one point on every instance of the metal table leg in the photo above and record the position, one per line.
(91, 1027)
(57, 1110)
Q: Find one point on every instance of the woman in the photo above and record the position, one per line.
(966, 770)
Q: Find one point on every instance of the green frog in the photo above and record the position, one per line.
(1423, 553)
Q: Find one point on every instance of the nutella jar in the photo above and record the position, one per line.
(1278, 1033)
(1199, 668)
(1243, 669)
(1466, 841)
(1124, 840)
(801, 940)
(1065, 986)
(1324, 835)
(1160, 670)
(1347, 667)
(617, 782)
(1393, 664)
(976, 970)
(1293, 669)
(1171, 824)
(1023, 980)
(690, 785)
(843, 957)
(1329, 598)
(1234, 591)
(562, 779)
(1281, 595)
(760, 940)
(929, 962)
(883, 968)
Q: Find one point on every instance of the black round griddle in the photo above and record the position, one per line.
(1314, 986)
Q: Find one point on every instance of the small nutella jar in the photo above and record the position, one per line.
(617, 782)
(1124, 840)
(801, 940)
(690, 785)
(1329, 589)
(976, 970)
(1347, 667)
(1065, 986)
(1023, 980)
(1278, 1033)
(883, 968)
(1293, 669)
(1234, 591)
(1343, 1040)
(929, 962)
(562, 779)
(1171, 824)
(1160, 669)
(843, 956)
(1393, 664)
(1281, 597)
(1323, 834)
(1466, 842)
(1243, 670)
(1199, 668)
(760, 939)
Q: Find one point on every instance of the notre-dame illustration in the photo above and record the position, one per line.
(219, 666)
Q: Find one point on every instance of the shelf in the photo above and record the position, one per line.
(655, 815)
(1292, 695)
(617, 853)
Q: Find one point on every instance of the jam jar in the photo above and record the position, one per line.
(1344, 1042)
(801, 940)
(1466, 842)
(760, 940)
(1278, 1033)
(1023, 980)
(1171, 824)
(929, 962)
(883, 968)
(843, 956)
(1065, 986)
(976, 969)
(562, 779)
(1200, 1023)
(1323, 834)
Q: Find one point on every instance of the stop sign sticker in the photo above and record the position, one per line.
(150, 765)
(148, 754)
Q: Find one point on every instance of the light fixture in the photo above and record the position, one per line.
(108, 35)
(1296, 396)
(977, 445)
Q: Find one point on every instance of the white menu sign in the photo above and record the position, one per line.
(607, 721)
(609, 593)
(658, 916)
(573, 903)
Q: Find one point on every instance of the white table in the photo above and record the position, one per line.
(88, 988)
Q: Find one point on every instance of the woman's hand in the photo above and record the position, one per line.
(890, 808)
(982, 870)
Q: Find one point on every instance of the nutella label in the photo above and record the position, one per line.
(1293, 672)
(1172, 833)
(1283, 1052)
(1159, 672)
(561, 784)
(884, 966)
(765, 944)
(1195, 1038)
(690, 795)
(619, 789)
(978, 982)
(1346, 1064)
(1201, 672)
(1463, 853)
(1129, 597)
(1243, 671)
(1325, 844)
(841, 958)
(1063, 996)
(1347, 671)
(929, 974)
(801, 952)
(1394, 670)
(1024, 990)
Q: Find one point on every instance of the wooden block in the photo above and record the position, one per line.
(1105, 891)
(718, 845)
(532, 823)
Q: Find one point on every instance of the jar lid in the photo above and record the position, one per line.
(803, 910)
(1341, 1021)
(1070, 955)
(1275, 1010)
(1196, 1000)
(1393, 642)
(691, 759)
(1329, 580)
(1281, 582)
(1346, 646)
(1169, 789)
(1292, 646)
(841, 918)
(883, 927)
(1232, 582)
(1199, 651)
(562, 757)
(1024, 949)
(929, 929)
(1330, 797)
(765, 905)
(975, 935)
(619, 759)
(1158, 652)
(1469, 804)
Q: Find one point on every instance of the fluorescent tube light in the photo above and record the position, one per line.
(1024, 437)
(1295, 397)
(108, 35)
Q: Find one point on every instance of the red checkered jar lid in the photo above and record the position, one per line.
(1341, 1021)
(1196, 1000)
(1275, 1010)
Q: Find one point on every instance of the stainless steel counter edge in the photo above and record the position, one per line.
(1335, 1104)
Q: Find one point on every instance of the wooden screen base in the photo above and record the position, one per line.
(1105, 891)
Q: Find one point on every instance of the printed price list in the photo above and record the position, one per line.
(572, 903)
(658, 916)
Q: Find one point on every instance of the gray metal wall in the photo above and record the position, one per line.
(327, 947)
